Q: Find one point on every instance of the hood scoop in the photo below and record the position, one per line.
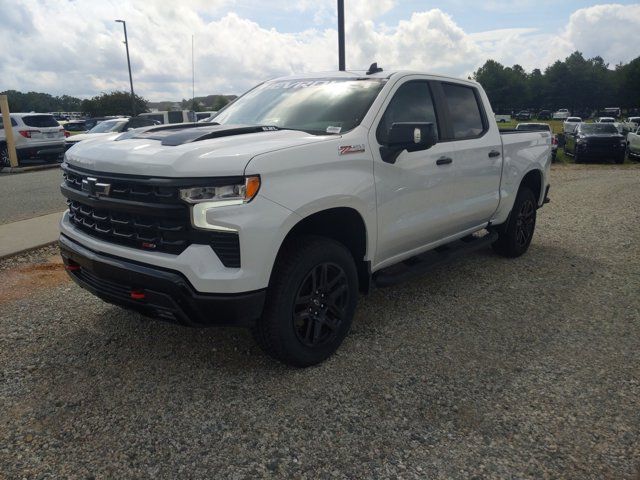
(189, 134)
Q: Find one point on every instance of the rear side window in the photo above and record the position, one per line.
(464, 111)
(13, 123)
(412, 102)
(41, 121)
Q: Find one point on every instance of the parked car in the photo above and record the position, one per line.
(204, 116)
(36, 136)
(166, 117)
(561, 114)
(93, 121)
(633, 144)
(614, 112)
(523, 115)
(541, 127)
(630, 124)
(310, 190)
(73, 127)
(596, 141)
(108, 127)
(544, 115)
(570, 124)
(503, 118)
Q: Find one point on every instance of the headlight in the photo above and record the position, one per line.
(205, 198)
(234, 194)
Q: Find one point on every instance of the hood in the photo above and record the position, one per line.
(172, 152)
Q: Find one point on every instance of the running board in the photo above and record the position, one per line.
(420, 264)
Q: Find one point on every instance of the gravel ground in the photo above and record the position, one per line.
(486, 368)
(30, 194)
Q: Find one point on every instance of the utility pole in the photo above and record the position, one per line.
(341, 57)
(193, 78)
(126, 43)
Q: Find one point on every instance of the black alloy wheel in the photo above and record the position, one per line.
(525, 223)
(321, 304)
(4, 156)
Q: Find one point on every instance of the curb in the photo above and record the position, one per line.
(26, 250)
(24, 235)
(34, 168)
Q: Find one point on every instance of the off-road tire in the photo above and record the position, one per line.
(286, 320)
(514, 237)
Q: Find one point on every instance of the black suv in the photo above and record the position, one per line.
(595, 141)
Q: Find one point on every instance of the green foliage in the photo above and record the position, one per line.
(210, 102)
(575, 83)
(41, 102)
(114, 103)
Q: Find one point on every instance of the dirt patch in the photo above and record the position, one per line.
(22, 282)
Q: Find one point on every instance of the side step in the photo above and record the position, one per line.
(420, 264)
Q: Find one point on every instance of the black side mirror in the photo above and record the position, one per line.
(409, 136)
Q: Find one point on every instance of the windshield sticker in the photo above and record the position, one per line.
(331, 129)
(347, 149)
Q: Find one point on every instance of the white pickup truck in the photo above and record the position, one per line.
(306, 192)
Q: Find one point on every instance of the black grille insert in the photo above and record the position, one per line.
(143, 213)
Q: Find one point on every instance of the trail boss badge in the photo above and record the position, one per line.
(346, 149)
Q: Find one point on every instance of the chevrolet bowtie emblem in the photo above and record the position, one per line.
(95, 188)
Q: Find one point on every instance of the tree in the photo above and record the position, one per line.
(113, 103)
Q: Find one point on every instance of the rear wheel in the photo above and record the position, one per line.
(310, 302)
(515, 236)
(4, 156)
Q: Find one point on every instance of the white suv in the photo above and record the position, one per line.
(37, 135)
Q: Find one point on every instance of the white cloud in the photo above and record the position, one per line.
(75, 47)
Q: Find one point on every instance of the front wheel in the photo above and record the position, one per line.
(310, 303)
(515, 236)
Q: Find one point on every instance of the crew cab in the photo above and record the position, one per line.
(36, 136)
(307, 191)
(596, 141)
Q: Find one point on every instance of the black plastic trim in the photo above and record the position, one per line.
(168, 295)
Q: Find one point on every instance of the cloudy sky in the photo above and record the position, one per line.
(75, 47)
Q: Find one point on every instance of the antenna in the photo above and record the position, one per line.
(374, 68)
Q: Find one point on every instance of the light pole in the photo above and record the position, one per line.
(126, 44)
(341, 56)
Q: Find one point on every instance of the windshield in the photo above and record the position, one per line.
(598, 128)
(607, 120)
(108, 126)
(325, 105)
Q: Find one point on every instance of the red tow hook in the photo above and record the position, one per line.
(137, 294)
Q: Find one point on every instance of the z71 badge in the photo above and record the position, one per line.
(351, 149)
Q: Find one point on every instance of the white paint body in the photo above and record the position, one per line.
(633, 140)
(407, 207)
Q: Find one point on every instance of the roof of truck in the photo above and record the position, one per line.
(385, 74)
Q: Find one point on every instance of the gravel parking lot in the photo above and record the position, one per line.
(486, 368)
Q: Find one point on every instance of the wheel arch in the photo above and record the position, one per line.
(343, 224)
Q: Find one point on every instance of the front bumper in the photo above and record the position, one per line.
(156, 292)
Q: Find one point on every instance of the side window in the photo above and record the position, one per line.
(464, 111)
(13, 123)
(175, 117)
(412, 102)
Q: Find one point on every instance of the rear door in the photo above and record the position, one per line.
(476, 149)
